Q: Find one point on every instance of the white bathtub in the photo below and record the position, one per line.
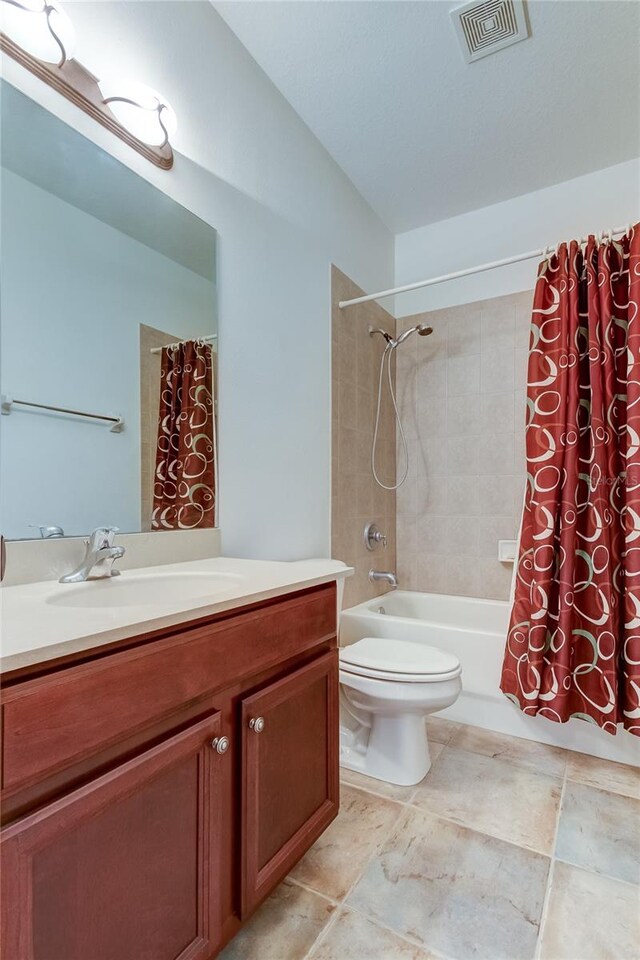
(475, 630)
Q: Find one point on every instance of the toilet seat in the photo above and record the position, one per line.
(400, 660)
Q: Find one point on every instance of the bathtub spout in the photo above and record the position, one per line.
(385, 576)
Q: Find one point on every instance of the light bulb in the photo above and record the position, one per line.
(39, 28)
(141, 110)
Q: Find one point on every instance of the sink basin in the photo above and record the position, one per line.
(145, 590)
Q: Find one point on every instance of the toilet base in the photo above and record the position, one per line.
(394, 749)
(383, 730)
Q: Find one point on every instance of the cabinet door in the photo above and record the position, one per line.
(290, 772)
(125, 866)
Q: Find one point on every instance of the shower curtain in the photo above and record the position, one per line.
(184, 485)
(573, 646)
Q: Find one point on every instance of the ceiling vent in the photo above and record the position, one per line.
(489, 26)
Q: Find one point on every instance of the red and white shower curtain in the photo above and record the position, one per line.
(573, 647)
(184, 493)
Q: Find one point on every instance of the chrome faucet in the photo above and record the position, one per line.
(384, 576)
(98, 561)
(48, 533)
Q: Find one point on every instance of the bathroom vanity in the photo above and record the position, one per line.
(157, 785)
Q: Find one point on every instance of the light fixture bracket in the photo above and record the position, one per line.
(78, 85)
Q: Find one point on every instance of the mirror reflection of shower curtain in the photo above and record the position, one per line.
(184, 492)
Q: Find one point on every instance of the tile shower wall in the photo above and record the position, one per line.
(462, 400)
(356, 498)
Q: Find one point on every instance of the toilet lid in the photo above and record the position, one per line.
(398, 657)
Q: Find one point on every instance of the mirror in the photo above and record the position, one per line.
(108, 341)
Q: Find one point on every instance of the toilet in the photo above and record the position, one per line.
(387, 689)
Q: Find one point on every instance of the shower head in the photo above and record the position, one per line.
(420, 329)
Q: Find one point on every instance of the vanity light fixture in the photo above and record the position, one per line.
(40, 28)
(141, 110)
(40, 37)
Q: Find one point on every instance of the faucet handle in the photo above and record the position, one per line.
(102, 537)
(373, 537)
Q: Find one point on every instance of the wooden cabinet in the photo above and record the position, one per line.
(131, 858)
(127, 833)
(289, 773)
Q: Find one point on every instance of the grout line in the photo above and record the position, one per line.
(598, 873)
(325, 930)
(431, 953)
(501, 758)
(305, 886)
(482, 833)
(545, 910)
(547, 894)
(371, 790)
(372, 793)
(593, 786)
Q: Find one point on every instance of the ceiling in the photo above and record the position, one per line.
(425, 136)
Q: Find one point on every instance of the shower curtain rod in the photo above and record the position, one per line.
(214, 336)
(531, 255)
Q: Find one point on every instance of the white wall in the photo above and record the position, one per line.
(284, 211)
(71, 338)
(597, 201)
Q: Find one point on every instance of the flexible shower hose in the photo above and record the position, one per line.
(387, 356)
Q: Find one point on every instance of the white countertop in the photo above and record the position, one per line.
(45, 620)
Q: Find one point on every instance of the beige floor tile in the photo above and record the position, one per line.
(590, 917)
(493, 796)
(600, 831)
(284, 928)
(440, 730)
(460, 893)
(614, 777)
(381, 787)
(337, 859)
(524, 753)
(353, 937)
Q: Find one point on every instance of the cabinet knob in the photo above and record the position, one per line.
(220, 744)
(256, 724)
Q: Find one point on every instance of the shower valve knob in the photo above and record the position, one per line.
(373, 537)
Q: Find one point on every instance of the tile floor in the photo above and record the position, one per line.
(507, 850)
